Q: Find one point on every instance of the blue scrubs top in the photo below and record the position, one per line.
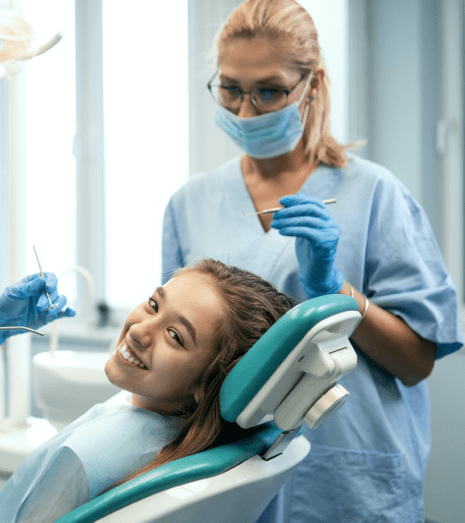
(104, 446)
(368, 460)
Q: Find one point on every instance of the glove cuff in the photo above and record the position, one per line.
(331, 286)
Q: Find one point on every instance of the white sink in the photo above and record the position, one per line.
(69, 383)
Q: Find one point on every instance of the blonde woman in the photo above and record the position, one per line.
(375, 243)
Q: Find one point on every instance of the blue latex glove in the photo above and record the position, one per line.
(308, 219)
(24, 303)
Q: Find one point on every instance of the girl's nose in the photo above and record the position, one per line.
(141, 334)
(247, 108)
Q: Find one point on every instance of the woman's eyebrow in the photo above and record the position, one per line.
(270, 80)
(189, 327)
(261, 81)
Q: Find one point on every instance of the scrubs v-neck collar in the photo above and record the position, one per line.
(310, 185)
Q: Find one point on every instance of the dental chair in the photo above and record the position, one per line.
(289, 377)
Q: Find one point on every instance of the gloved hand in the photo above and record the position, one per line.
(308, 219)
(24, 303)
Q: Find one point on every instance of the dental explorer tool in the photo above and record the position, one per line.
(274, 209)
(22, 329)
(42, 274)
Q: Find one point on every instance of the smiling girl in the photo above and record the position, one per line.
(174, 351)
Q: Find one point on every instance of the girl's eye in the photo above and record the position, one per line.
(174, 335)
(153, 304)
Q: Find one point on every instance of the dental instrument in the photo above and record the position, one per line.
(22, 329)
(274, 209)
(42, 274)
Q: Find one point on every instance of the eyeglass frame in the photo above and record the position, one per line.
(287, 91)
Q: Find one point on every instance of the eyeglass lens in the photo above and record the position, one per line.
(265, 99)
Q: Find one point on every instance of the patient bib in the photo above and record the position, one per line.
(103, 447)
(117, 439)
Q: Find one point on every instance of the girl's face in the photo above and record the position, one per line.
(168, 341)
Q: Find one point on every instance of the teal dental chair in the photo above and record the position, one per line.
(287, 378)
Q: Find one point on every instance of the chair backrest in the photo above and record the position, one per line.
(294, 364)
(301, 356)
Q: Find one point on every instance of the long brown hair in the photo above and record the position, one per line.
(287, 22)
(251, 306)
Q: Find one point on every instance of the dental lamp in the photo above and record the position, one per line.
(16, 36)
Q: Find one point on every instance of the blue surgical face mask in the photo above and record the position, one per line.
(267, 135)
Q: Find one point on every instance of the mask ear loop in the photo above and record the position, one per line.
(304, 120)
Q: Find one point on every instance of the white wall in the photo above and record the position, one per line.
(208, 145)
(408, 90)
(404, 96)
(445, 475)
(331, 18)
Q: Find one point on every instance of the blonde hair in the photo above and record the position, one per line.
(287, 22)
(251, 306)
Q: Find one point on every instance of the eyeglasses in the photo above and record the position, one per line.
(265, 99)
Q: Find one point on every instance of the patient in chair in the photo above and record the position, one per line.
(173, 354)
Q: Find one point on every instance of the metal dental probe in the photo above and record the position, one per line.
(22, 329)
(42, 274)
(274, 209)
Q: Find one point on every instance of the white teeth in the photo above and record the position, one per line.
(129, 357)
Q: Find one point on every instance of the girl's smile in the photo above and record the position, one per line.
(127, 356)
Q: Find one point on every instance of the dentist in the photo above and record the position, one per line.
(25, 304)
(375, 243)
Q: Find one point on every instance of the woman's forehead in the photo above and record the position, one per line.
(255, 59)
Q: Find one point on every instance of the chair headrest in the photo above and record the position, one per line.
(267, 354)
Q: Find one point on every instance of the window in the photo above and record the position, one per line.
(145, 141)
(145, 127)
(50, 111)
